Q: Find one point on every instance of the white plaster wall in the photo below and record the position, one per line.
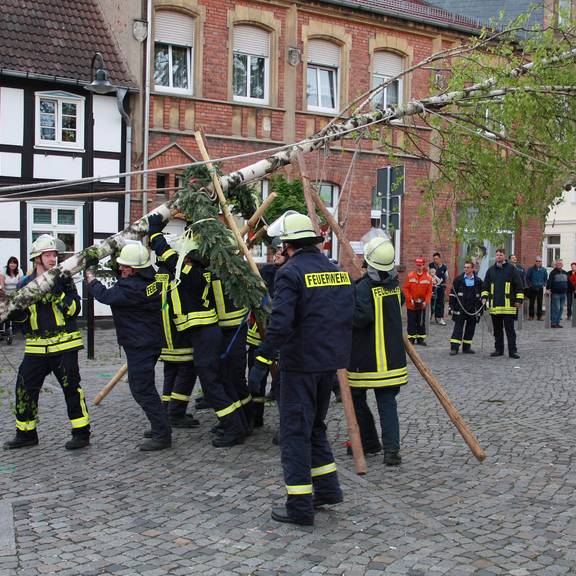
(105, 217)
(10, 164)
(562, 220)
(12, 116)
(106, 167)
(57, 167)
(10, 216)
(107, 124)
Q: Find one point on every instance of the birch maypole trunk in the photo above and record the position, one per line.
(485, 90)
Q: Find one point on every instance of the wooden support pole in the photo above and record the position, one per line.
(342, 238)
(106, 390)
(257, 236)
(308, 190)
(437, 388)
(231, 223)
(258, 214)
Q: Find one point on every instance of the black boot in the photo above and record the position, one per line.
(281, 515)
(186, 421)
(468, 351)
(454, 351)
(392, 459)
(77, 442)
(152, 445)
(227, 440)
(21, 441)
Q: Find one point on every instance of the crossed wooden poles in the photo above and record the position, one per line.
(313, 199)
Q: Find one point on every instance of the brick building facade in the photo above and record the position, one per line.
(257, 75)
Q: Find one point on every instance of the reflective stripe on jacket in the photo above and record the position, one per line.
(378, 356)
(229, 314)
(503, 288)
(50, 324)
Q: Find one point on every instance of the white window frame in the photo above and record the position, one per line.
(317, 68)
(250, 99)
(60, 98)
(172, 89)
(54, 228)
(556, 248)
(379, 79)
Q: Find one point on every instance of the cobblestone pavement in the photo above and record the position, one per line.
(113, 510)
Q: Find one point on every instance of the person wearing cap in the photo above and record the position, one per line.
(196, 317)
(310, 328)
(52, 344)
(417, 290)
(136, 303)
(378, 360)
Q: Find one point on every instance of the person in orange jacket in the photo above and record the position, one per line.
(417, 290)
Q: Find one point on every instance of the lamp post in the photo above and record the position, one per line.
(99, 85)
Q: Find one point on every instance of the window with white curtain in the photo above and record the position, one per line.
(251, 64)
(322, 76)
(173, 52)
(385, 66)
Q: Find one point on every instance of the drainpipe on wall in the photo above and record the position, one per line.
(147, 107)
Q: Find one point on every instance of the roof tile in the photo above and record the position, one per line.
(58, 38)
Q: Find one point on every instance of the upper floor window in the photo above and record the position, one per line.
(251, 64)
(59, 120)
(322, 76)
(173, 52)
(387, 65)
(564, 12)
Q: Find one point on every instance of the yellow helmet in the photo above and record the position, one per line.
(46, 243)
(293, 226)
(379, 253)
(134, 255)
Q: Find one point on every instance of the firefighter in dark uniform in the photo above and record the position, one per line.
(466, 306)
(136, 303)
(195, 315)
(254, 340)
(233, 323)
(52, 344)
(504, 292)
(311, 327)
(178, 357)
(378, 359)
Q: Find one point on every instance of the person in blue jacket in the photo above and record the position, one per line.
(311, 329)
(136, 303)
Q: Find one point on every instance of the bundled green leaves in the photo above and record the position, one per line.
(216, 243)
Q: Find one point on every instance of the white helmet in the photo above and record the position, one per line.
(46, 243)
(293, 226)
(134, 255)
(379, 253)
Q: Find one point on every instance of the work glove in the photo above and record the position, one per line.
(258, 374)
(155, 224)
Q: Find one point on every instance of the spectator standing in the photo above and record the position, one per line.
(557, 286)
(536, 278)
(417, 290)
(442, 274)
(521, 270)
(13, 276)
(571, 289)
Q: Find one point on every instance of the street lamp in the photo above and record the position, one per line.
(100, 83)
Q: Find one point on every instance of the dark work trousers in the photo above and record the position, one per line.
(207, 344)
(416, 325)
(501, 322)
(259, 395)
(179, 380)
(535, 296)
(463, 333)
(141, 362)
(31, 375)
(439, 304)
(388, 412)
(307, 458)
(233, 363)
(569, 300)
